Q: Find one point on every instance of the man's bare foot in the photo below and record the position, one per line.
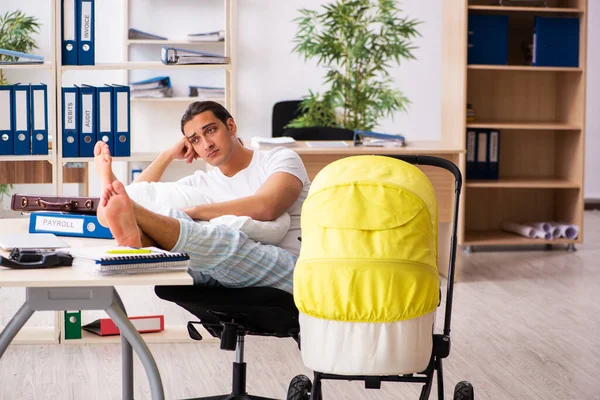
(103, 163)
(117, 209)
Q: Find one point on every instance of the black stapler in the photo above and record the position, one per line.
(32, 259)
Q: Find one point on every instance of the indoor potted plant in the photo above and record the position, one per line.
(357, 41)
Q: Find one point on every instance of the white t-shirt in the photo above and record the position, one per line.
(249, 180)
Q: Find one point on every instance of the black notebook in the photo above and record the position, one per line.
(110, 260)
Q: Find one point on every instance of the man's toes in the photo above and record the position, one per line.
(98, 148)
(118, 187)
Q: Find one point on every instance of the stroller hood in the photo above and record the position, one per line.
(369, 243)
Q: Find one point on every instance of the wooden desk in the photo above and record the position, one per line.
(315, 158)
(66, 288)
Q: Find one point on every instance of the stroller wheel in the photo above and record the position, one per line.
(299, 388)
(464, 391)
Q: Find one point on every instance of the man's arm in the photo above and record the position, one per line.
(270, 201)
(182, 150)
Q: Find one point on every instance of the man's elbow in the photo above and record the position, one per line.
(264, 213)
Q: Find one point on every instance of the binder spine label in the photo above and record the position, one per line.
(471, 146)
(86, 21)
(482, 148)
(70, 110)
(494, 147)
(55, 224)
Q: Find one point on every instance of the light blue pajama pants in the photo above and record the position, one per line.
(220, 255)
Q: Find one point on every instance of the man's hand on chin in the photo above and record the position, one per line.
(182, 150)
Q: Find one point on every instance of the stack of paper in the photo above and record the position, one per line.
(375, 139)
(176, 56)
(261, 142)
(207, 92)
(136, 34)
(158, 87)
(116, 260)
(217, 36)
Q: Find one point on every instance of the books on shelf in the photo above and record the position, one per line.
(118, 260)
(16, 57)
(217, 36)
(136, 34)
(24, 119)
(178, 56)
(483, 154)
(157, 87)
(206, 92)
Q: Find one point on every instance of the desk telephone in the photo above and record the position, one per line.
(37, 258)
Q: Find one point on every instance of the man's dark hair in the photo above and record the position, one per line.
(201, 106)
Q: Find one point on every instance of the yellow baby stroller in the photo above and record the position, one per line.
(367, 282)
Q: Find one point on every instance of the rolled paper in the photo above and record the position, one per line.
(542, 226)
(543, 234)
(519, 229)
(567, 231)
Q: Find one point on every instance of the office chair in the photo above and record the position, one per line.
(231, 314)
(283, 113)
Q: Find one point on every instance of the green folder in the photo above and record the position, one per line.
(72, 325)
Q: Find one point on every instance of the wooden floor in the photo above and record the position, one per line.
(525, 326)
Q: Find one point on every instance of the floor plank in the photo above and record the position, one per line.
(524, 326)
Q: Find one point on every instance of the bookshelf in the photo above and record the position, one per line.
(43, 327)
(160, 117)
(540, 113)
(53, 168)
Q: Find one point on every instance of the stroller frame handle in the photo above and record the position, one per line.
(453, 169)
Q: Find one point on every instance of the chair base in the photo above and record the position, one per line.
(233, 397)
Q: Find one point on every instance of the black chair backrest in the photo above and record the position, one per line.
(283, 113)
(317, 133)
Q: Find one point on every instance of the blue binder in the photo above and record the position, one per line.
(67, 224)
(22, 109)
(104, 116)
(39, 119)
(87, 120)
(121, 121)
(488, 39)
(86, 34)
(556, 42)
(70, 123)
(70, 44)
(7, 130)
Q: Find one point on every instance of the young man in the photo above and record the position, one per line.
(259, 184)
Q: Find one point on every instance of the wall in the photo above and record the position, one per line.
(268, 72)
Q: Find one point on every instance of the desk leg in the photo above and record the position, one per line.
(126, 356)
(14, 326)
(141, 349)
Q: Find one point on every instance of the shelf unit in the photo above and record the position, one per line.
(19, 169)
(171, 108)
(28, 165)
(540, 113)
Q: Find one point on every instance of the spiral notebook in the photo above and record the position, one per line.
(112, 260)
